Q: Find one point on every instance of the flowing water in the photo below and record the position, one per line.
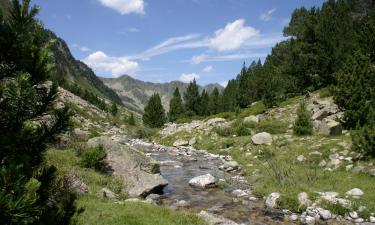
(179, 165)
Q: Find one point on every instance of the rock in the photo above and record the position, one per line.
(192, 141)
(154, 198)
(330, 127)
(204, 181)
(81, 135)
(355, 193)
(254, 119)
(271, 201)
(141, 172)
(359, 220)
(309, 220)
(372, 219)
(240, 193)
(315, 153)
(325, 214)
(293, 217)
(353, 215)
(108, 194)
(75, 183)
(180, 142)
(213, 219)
(372, 172)
(182, 203)
(230, 166)
(301, 158)
(358, 169)
(303, 199)
(263, 138)
(323, 163)
(320, 114)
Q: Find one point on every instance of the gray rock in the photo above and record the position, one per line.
(75, 183)
(320, 114)
(182, 203)
(254, 119)
(330, 127)
(303, 199)
(301, 158)
(309, 220)
(355, 193)
(271, 200)
(263, 138)
(325, 214)
(240, 193)
(180, 142)
(358, 169)
(81, 135)
(192, 141)
(141, 172)
(108, 194)
(353, 215)
(203, 181)
(213, 219)
(372, 219)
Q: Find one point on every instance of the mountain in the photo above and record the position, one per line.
(135, 93)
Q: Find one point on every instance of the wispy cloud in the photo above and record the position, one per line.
(208, 69)
(222, 58)
(125, 6)
(186, 78)
(267, 16)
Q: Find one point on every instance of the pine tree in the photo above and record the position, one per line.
(30, 192)
(204, 100)
(192, 98)
(214, 102)
(303, 124)
(364, 137)
(176, 107)
(229, 97)
(154, 115)
(114, 109)
(131, 120)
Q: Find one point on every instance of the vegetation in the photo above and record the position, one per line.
(94, 158)
(176, 107)
(154, 115)
(303, 124)
(30, 192)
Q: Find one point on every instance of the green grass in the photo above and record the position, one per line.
(257, 108)
(291, 101)
(96, 211)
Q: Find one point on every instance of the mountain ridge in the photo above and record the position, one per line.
(135, 93)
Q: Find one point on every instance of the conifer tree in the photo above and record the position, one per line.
(192, 98)
(154, 115)
(131, 120)
(214, 102)
(30, 192)
(303, 124)
(364, 137)
(176, 107)
(204, 100)
(114, 109)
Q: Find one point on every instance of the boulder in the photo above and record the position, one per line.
(203, 181)
(81, 135)
(263, 138)
(192, 141)
(303, 199)
(253, 119)
(325, 214)
(108, 194)
(301, 158)
(213, 219)
(271, 200)
(320, 114)
(141, 172)
(180, 142)
(355, 193)
(330, 127)
(75, 183)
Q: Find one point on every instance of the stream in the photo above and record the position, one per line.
(179, 165)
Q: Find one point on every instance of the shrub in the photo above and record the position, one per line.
(94, 158)
(364, 139)
(237, 128)
(143, 133)
(303, 124)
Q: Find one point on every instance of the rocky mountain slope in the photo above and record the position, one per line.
(135, 93)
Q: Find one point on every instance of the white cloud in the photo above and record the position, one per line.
(233, 36)
(267, 16)
(186, 78)
(224, 83)
(223, 58)
(133, 30)
(118, 66)
(208, 69)
(84, 49)
(125, 6)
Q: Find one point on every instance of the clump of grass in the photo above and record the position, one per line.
(272, 126)
(335, 208)
(94, 158)
(221, 184)
(303, 124)
(325, 92)
(257, 108)
(237, 128)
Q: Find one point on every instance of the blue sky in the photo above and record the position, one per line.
(164, 40)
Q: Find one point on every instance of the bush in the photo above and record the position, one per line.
(94, 158)
(303, 125)
(143, 133)
(238, 128)
(364, 139)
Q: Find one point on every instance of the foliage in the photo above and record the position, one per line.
(30, 193)
(364, 137)
(94, 158)
(303, 124)
(131, 120)
(154, 115)
(271, 126)
(192, 99)
(176, 106)
(114, 109)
